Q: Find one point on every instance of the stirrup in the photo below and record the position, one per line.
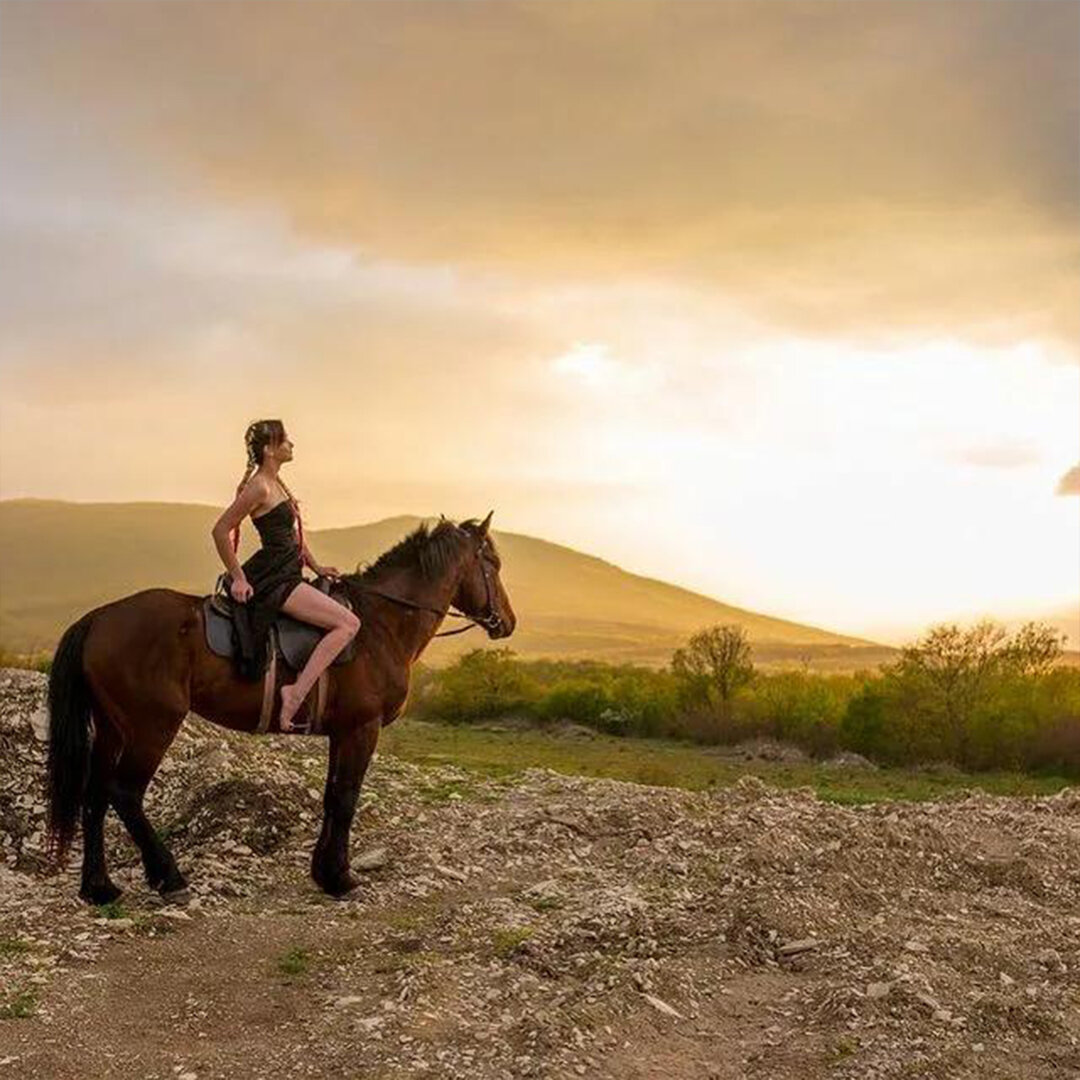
(296, 729)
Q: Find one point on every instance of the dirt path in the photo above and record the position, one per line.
(546, 927)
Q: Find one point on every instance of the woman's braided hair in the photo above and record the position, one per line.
(260, 435)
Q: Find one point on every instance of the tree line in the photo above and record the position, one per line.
(977, 697)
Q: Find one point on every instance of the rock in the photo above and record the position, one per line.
(751, 786)
(115, 924)
(662, 1006)
(450, 872)
(373, 859)
(794, 948)
(848, 759)
(39, 724)
(769, 750)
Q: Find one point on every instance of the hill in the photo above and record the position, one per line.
(60, 558)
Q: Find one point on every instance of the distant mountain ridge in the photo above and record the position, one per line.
(58, 559)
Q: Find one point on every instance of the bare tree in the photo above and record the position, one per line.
(715, 662)
(1035, 649)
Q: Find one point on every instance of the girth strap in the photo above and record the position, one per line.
(269, 683)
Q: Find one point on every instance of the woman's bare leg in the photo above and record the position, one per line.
(308, 604)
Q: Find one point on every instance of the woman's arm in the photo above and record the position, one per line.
(253, 494)
(309, 560)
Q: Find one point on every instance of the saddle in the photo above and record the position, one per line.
(289, 644)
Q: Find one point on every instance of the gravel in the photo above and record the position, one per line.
(551, 926)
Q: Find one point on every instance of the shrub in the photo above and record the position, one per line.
(578, 700)
(973, 697)
(480, 685)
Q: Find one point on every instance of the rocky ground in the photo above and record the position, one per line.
(546, 927)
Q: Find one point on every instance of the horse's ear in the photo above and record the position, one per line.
(485, 523)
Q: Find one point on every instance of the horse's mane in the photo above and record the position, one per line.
(429, 550)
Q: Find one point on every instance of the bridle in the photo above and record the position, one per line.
(490, 621)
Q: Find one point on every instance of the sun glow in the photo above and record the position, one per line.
(922, 476)
(788, 319)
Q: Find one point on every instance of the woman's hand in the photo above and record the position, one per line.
(241, 589)
(327, 571)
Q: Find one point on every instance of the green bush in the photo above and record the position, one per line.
(804, 709)
(482, 684)
(581, 701)
(973, 697)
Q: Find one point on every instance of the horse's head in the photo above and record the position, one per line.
(480, 593)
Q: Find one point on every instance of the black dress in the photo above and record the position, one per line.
(273, 572)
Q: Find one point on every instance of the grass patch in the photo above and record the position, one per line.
(668, 763)
(295, 961)
(843, 1049)
(153, 926)
(114, 909)
(443, 791)
(508, 940)
(34, 661)
(14, 946)
(19, 1006)
(405, 921)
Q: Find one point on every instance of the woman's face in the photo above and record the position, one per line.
(282, 452)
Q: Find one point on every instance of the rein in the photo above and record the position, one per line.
(490, 621)
(423, 607)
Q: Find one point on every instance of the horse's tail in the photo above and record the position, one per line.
(68, 767)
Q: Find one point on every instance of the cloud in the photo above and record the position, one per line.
(590, 364)
(1069, 484)
(853, 168)
(797, 260)
(1003, 455)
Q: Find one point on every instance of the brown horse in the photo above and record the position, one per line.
(126, 674)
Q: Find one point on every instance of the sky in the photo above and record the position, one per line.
(777, 301)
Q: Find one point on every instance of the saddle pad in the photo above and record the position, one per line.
(220, 636)
(296, 640)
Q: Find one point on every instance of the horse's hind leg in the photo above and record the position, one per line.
(130, 781)
(96, 886)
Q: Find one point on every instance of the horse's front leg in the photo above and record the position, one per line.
(350, 752)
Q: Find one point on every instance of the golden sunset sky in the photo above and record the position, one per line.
(777, 301)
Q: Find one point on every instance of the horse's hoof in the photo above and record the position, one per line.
(342, 888)
(100, 894)
(179, 897)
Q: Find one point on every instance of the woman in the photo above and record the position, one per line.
(271, 580)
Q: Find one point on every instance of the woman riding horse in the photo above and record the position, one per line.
(126, 674)
(271, 581)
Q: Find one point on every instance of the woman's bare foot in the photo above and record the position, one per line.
(291, 700)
